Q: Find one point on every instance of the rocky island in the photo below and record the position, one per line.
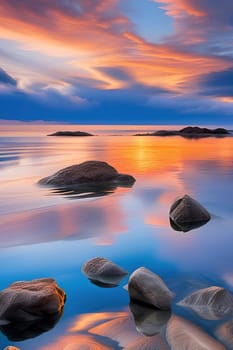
(190, 132)
(70, 133)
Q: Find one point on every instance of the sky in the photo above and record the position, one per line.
(117, 61)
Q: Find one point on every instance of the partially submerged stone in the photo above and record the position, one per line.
(28, 301)
(186, 214)
(225, 333)
(147, 287)
(11, 348)
(182, 334)
(90, 172)
(212, 303)
(149, 320)
(103, 272)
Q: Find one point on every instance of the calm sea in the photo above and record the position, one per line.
(44, 233)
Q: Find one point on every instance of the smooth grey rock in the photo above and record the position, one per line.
(104, 271)
(147, 287)
(212, 303)
(90, 172)
(184, 335)
(186, 214)
(28, 301)
(149, 320)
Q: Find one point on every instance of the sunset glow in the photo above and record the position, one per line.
(72, 60)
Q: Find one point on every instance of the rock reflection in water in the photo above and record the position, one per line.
(111, 283)
(84, 191)
(187, 226)
(184, 335)
(148, 320)
(19, 331)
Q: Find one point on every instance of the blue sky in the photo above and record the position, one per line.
(117, 61)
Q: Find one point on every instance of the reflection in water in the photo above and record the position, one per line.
(164, 169)
(24, 330)
(112, 282)
(183, 334)
(87, 190)
(148, 320)
(101, 219)
(186, 227)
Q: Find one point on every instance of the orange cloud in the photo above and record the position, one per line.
(177, 8)
(100, 37)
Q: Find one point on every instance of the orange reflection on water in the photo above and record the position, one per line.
(101, 219)
(77, 342)
(86, 321)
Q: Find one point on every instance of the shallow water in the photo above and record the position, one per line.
(44, 234)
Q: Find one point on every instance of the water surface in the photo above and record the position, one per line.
(43, 234)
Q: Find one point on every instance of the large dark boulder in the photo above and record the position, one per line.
(186, 214)
(88, 173)
(70, 133)
(30, 301)
(212, 303)
(103, 272)
(147, 287)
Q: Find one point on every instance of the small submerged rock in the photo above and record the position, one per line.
(225, 333)
(71, 133)
(186, 214)
(28, 301)
(90, 172)
(103, 272)
(149, 320)
(182, 334)
(211, 303)
(147, 287)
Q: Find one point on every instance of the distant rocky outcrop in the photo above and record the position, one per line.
(212, 303)
(103, 272)
(186, 214)
(190, 132)
(147, 287)
(91, 178)
(30, 301)
(70, 133)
